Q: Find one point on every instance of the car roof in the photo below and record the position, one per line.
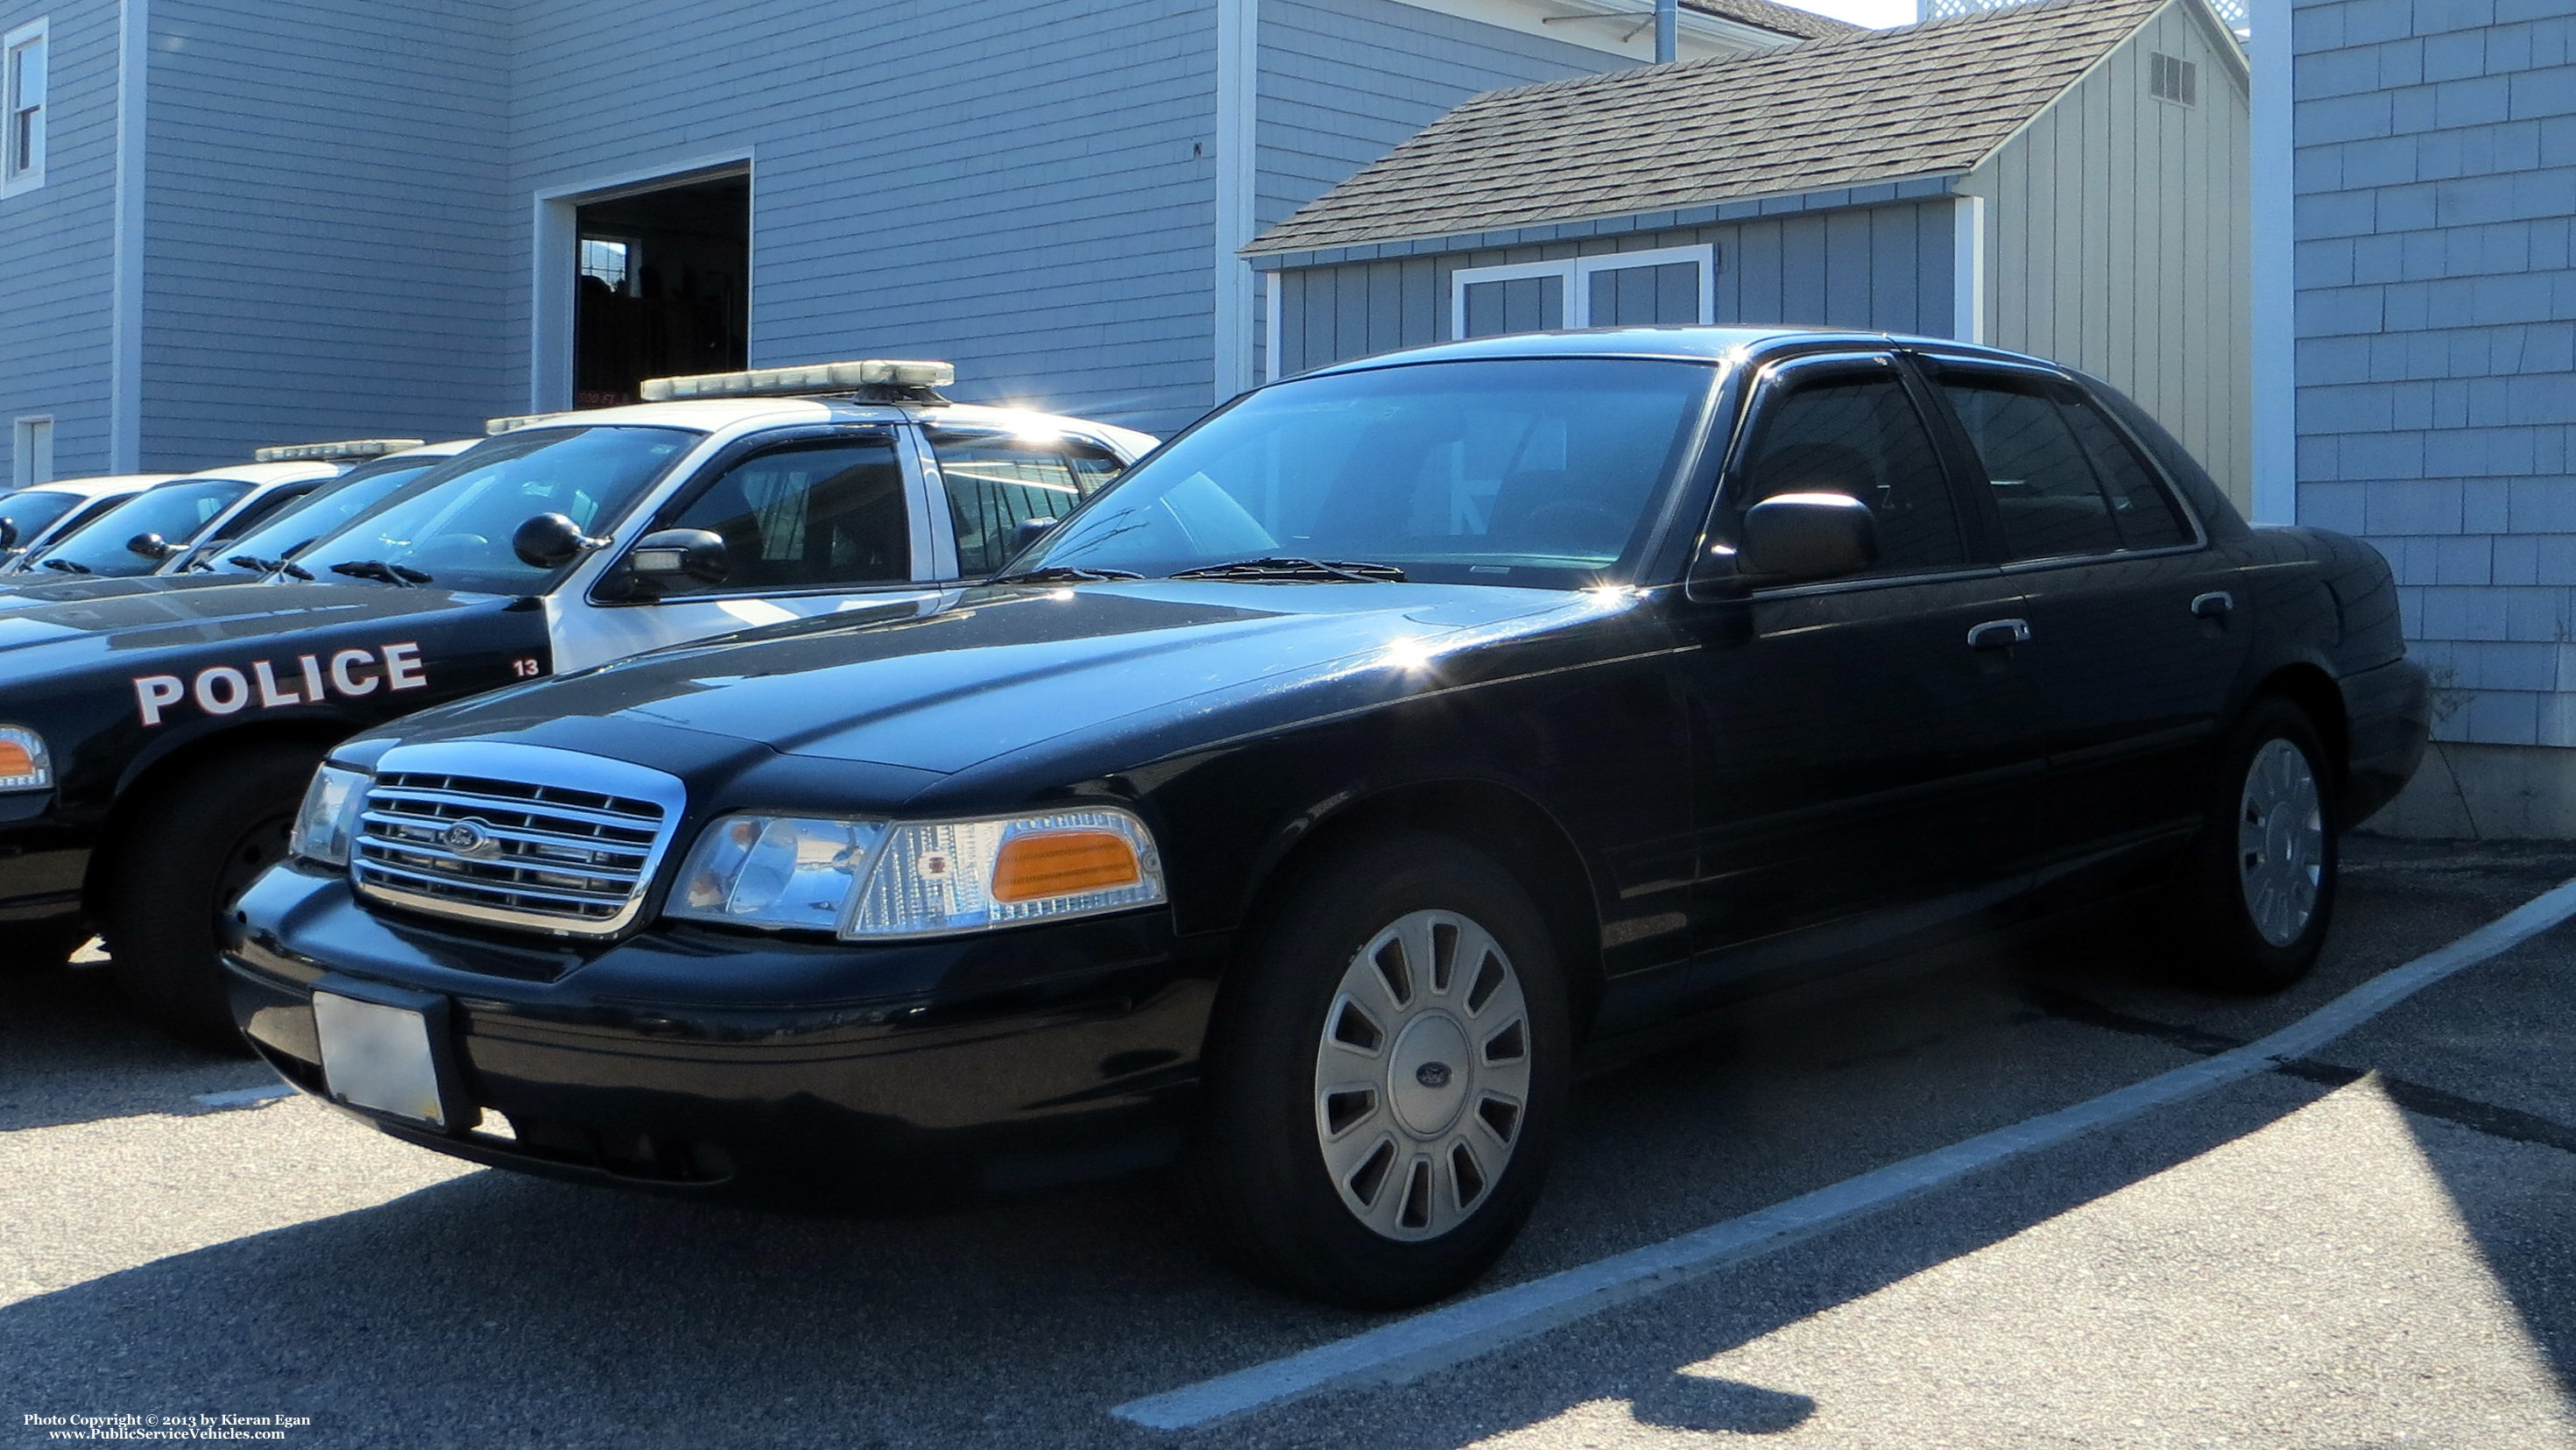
(95, 487)
(711, 414)
(1692, 342)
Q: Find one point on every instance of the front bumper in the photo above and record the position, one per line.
(710, 1062)
(2388, 712)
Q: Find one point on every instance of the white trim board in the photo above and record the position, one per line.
(554, 258)
(1238, 90)
(2275, 360)
(1624, 28)
(125, 259)
(1968, 269)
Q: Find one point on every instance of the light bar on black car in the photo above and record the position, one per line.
(334, 452)
(831, 377)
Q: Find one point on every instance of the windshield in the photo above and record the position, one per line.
(178, 511)
(309, 518)
(1537, 472)
(453, 523)
(31, 511)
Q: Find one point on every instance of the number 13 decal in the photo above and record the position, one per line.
(526, 669)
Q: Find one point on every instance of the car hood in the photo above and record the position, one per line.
(64, 625)
(27, 591)
(1005, 669)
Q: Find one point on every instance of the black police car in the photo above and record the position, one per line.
(155, 734)
(1307, 799)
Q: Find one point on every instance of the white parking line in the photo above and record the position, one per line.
(1407, 1348)
(245, 1097)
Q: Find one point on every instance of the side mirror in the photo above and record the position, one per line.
(8, 533)
(1029, 532)
(550, 541)
(671, 556)
(1797, 536)
(150, 546)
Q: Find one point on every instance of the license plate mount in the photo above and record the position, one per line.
(385, 1050)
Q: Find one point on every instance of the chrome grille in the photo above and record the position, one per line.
(550, 839)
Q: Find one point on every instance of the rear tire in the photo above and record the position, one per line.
(187, 855)
(2259, 893)
(1385, 1078)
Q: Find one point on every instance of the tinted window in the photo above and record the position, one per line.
(1859, 436)
(30, 512)
(454, 522)
(2140, 504)
(177, 511)
(812, 516)
(315, 514)
(1523, 471)
(995, 482)
(2046, 494)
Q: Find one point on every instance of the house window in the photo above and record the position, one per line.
(22, 127)
(2171, 78)
(31, 452)
(611, 260)
(1616, 289)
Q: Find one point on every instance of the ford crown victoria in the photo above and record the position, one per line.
(1303, 803)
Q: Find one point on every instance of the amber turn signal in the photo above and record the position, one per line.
(1063, 863)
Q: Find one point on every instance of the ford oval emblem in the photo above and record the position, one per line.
(1432, 1074)
(470, 837)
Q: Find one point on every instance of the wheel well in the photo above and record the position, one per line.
(319, 736)
(1502, 824)
(2310, 689)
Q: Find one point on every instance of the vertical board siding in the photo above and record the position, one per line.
(1885, 268)
(324, 226)
(2434, 166)
(2120, 242)
(1023, 187)
(57, 242)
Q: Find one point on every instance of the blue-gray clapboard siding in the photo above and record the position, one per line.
(57, 242)
(1884, 268)
(326, 253)
(1023, 187)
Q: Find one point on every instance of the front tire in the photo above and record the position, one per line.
(2260, 891)
(1385, 1078)
(187, 855)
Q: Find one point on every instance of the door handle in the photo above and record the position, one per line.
(1999, 634)
(2214, 605)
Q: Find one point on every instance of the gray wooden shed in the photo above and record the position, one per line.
(2067, 178)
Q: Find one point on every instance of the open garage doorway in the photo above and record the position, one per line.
(661, 286)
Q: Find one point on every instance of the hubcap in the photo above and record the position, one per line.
(2280, 842)
(1422, 1075)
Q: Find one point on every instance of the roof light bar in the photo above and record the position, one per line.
(495, 427)
(829, 377)
(345, 448)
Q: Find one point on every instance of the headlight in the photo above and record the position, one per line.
(23, 762)
(878, 880)
(329, 815)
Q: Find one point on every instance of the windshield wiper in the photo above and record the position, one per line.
(1064, 574)
(252, 562)
(380, 571)
(1355, 571)
(68, 566)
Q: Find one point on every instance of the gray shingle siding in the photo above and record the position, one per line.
(2435, 169)
(57, 242)
(326, 229)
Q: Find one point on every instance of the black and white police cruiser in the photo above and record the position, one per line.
(34, 516)
(153, 744)
(162, 523)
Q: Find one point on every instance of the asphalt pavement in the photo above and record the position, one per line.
(2373, 1246)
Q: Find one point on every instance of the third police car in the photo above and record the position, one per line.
(153, 745)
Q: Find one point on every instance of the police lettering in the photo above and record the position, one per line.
(228, 689)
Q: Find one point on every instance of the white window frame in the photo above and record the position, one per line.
(1577, 273)
(13, 177)
(31, 450)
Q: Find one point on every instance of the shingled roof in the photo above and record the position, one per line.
(1880, 105)
(1778, 19)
